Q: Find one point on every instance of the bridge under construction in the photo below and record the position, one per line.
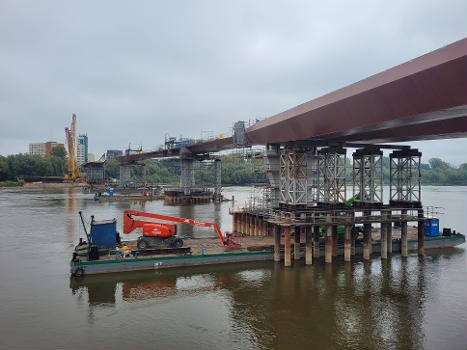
(306, 150)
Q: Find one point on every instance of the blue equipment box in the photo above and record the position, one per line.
(431, 227)
(104, 233)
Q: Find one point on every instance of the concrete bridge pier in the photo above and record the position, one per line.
(125, 174)
(187, 175)
(218, 185)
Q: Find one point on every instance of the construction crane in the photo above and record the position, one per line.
(73, 170)
(161, 234)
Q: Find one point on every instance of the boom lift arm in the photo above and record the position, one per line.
(129, 224)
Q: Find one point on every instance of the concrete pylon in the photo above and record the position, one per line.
(218, 185)
(125, 174)
(187, 175)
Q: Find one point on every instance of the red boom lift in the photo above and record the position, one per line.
(162, 234)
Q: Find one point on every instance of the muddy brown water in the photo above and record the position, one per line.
(400, 303)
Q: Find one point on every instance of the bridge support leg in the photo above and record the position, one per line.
(287, 247)
(389, 233)
(421, 234)
(296, 246)
(277, 243)
(334, 240)
(316, 242)
(384, 238)
(366, 238)
(348, 238)
(328, 242)
(404, 242)
(308, 245)
(234, 222)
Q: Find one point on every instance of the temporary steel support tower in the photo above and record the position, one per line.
(368, 175)
(332, 175)
(293, 176)
(405, 176)
(272, 167)
(312, 176)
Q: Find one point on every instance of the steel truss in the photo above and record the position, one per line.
(405, 176)
(272, 166)
(293, 176)
(332, 183)
(368, 175)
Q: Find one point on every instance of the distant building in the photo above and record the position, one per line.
(82, 149)
(51, 144)
(37, 148)
(113, 154)
(91, 157)
(42, 148)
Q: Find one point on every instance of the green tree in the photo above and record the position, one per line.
(112, 170)
(4, 171)
(58, 151)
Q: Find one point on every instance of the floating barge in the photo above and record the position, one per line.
(140, 197)
(207, 251)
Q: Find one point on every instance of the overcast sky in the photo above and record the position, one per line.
(134, 71)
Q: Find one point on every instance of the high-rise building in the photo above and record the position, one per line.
(113, 154)
(42, 148)
(82, 149)
(37, 148)
(91, 157)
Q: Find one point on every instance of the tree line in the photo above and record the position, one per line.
(235, 170)
(16, 166)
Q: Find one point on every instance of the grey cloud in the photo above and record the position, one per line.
(134, 71)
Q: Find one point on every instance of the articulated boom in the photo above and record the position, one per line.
(129, 224)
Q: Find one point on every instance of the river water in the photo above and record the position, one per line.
(400, 303)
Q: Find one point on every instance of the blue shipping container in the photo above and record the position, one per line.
(104, 233)
(431, 227)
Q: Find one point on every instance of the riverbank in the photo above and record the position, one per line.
(8, 184)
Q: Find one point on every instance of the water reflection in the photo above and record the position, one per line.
(376, 304)
(70, 218)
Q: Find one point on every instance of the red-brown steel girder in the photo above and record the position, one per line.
(429, 88)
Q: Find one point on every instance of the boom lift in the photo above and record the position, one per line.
(156, 233)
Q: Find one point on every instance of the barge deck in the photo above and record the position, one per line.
(207, 251)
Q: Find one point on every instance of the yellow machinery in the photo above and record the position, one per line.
(73, 170)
